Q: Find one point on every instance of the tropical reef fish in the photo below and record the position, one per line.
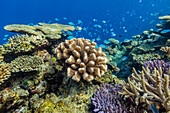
(92, 40)
(4, 38)
(71, 23)
(98, 38)
(56, 19)
(70, 37)
(6, 35)
(69, 33)
(154, 109)
(64, 18)
(165, 31)
(80, 22)
(107, 42)
(102, 46)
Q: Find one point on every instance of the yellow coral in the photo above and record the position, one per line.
(83, 58)
(4, 72)
(148, 86)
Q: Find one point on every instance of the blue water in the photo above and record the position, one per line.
(123, 17)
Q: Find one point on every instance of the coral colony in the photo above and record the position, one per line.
(44, 69)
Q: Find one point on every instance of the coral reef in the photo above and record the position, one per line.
(26, 63)
(148, 87)
(157, 64)
(84, 59)
(166, 50)
(52, 31)
(107, 100)
(5, 72)
(24, 43)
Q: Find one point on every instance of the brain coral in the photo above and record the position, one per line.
(83, 59)
(26, 63)
(4, 72)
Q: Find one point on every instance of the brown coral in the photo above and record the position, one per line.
(24, 43)
(4, 72)
(166, 50)
(167, 17)
(148, 87)
(26, 63)
(83, 58)
(53, 31)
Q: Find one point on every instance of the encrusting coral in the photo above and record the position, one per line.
(83, 58)
(148, 87)
(4, 72)
(26, 63)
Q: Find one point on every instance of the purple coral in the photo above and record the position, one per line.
(156, 64)
(107, 100)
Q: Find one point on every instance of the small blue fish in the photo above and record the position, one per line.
(4, 38)
(154, 109)
(97, 47)
(98, 38)
(64, 18)
(69, 33)
(71, 23)
(99, 26)
(6, 35)
(124, 58)
(70, 37)
(95, 25)
(107, 42)
(76, 27)
(165, 31)
(80, 22)
(56, 19)
(102, 46)
(92, 40)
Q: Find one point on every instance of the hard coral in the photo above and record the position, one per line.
(107, 100)
(83, 58)
(52, 31)
(26, 63)
(149, 87)
(157, 64)
(4, 72)
(24, 43)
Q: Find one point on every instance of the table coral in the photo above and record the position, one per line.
(52, 31)
(148, 87)
(83, 58)
(5, 72)
(26, 63)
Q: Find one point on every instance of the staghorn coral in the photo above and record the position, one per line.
(83, 58)
(5, 72)
(166, 50)
(52, 31)
(157, 64)
(26, 63)
(148, 87)
(107, 100)
(24, 43)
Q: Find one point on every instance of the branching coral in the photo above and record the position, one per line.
(26, 63)
(157, 64)
(24, 43)
(4, 72)
(166, 50)
(83, 58)
(107, 100)
(148, 87)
